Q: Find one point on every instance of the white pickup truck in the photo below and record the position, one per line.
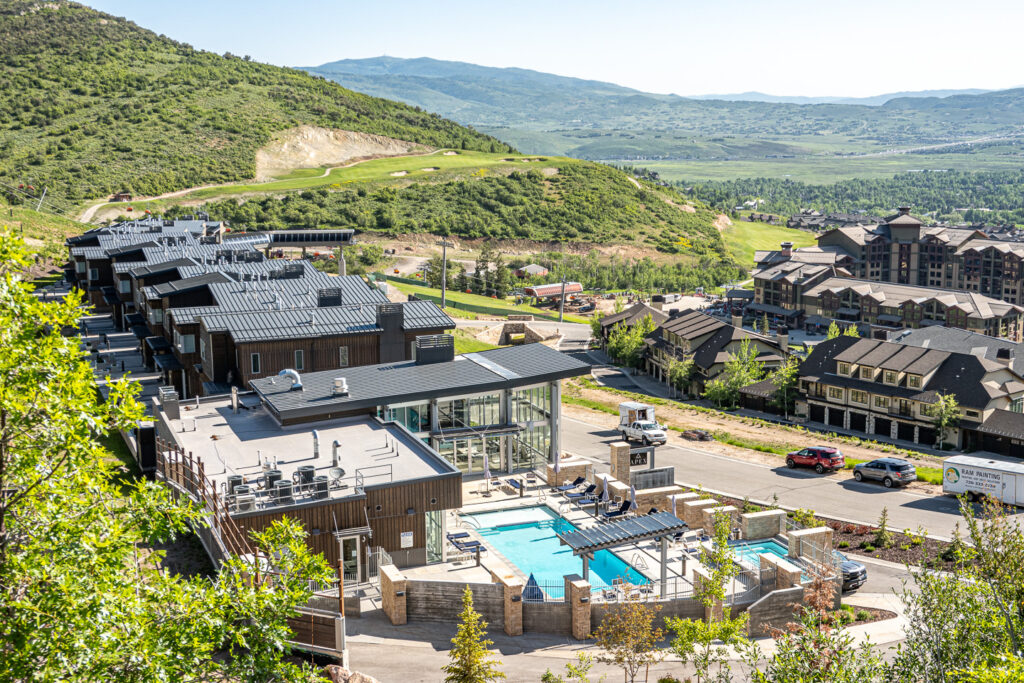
(636, 421)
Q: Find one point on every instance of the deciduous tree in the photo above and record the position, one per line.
(628, 639)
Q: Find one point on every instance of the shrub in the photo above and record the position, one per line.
(863, 615)
(805, 518)
(868, 548)
(883, 536)
(844, 544)
(862, 530)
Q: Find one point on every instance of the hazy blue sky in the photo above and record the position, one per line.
(787, 47)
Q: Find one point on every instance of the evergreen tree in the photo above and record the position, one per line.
(469, 659)
(851, 331)
(502, 278)
(833, 331)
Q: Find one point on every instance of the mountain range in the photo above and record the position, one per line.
(544, 113)
(873, 100)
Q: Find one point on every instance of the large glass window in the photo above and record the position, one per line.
(530, 405)
(416, 418)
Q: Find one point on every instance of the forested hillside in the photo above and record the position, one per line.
(581, 202)
(945, 195)
(91, 104)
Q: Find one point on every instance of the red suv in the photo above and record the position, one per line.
(821, 458)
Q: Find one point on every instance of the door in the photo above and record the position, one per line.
(351, 559)
(435, 536)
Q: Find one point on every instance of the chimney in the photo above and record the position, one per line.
(737, 321)
(782, 337)
(234, 400)
(316, 444)
(787, 248)
(904, 210)
(169, 400)
(1004, 357)
(390, 318)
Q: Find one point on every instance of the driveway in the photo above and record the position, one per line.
(828, 495)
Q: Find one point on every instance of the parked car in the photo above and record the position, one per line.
(821, 458)
(855, 574)
(890, 471)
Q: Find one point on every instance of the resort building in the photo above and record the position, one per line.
(629, 317)
(495, 410)
(709, 342)
(885, 389)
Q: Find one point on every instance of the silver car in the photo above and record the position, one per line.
(890, 471)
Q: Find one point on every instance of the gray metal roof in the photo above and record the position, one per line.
(622, 531)
(375, 385)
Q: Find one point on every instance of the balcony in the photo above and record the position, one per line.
(901, 411)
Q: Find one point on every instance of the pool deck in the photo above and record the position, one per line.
(644, 557)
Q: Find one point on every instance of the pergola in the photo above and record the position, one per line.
(660, 525)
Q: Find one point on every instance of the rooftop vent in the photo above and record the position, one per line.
(328, 297)
(1004, 356)
(435, 348)
(340, 387)
(294, 375)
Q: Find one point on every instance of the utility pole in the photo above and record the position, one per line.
(561, 302)
(444, 271)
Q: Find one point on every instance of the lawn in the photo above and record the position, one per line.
(744, 238)
(467, 343)
(483, 305)
(391, 169)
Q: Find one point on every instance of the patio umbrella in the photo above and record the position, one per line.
(673, 498)
(632, 495)
(604, 488)
(487, 477)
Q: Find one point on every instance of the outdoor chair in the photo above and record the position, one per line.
(570, 487)
(457, 534)
(621, 511)
(589, 491)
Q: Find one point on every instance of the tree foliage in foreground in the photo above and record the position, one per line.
(741, 369)
(81, 595)
(469, 659)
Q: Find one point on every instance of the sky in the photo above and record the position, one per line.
(782, 47)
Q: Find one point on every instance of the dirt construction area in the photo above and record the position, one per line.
(738, 427)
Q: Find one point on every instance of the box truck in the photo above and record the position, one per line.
(984, 474)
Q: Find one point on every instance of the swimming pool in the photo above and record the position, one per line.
(528, 537)
(746, 553)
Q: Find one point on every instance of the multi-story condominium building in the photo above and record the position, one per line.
(885, 389)
(904, 251)
(709, 342)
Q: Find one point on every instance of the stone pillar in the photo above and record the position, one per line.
(435, 419)
(894, 430)
(811, 544)
(700, 577)
(513, 601)
(619, 457)
(555, 422)
(917, 434)
(846, 419)
(764, 524)
(393, 582)
(693, 510)
(577, 593)
(826, 415)
(869, 424)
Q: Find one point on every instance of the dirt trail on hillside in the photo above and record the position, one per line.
(313, 146)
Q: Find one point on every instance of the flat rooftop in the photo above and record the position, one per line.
(248, 443)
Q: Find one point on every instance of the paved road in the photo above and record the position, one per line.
(828, 495)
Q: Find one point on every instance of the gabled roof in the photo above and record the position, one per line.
(690, 324)
(961, 341)
(634, 314)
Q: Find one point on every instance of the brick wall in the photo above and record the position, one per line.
(392, 581)
(693, 511)
(569, 469)
(547, 617)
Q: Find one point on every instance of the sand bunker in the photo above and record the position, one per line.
(400, 173)
(450, 153)
(430, 168)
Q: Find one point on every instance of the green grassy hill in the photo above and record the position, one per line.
(91, 104)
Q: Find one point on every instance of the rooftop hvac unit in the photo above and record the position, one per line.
(246, 503)
(340, 387)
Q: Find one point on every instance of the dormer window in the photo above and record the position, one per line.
(867, 373)
(914, 381)
(844, 369)
(889, 377)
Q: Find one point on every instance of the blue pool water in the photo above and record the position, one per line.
(527, 537)
(746, 553)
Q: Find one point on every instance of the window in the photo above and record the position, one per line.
(835, 392)
(342, 356)
(299, 358)
(844, 368)
(914, 381)
(1017, 405)
(881, 401)
(156, 316)
(94, 274)
(186, 343)
(972, 413)
(890, 377)
(867, 373)
(254, 363)
(79, 266)
(859, 397)
(124, 286)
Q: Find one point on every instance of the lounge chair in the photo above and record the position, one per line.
(517, 486)
(457, 534)
(623, 509)
(652, 511)
(570, 487)
(469, 546)
(573, 495)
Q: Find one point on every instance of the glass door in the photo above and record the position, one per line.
(435, 536)
(351, 561)
(494, 459)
